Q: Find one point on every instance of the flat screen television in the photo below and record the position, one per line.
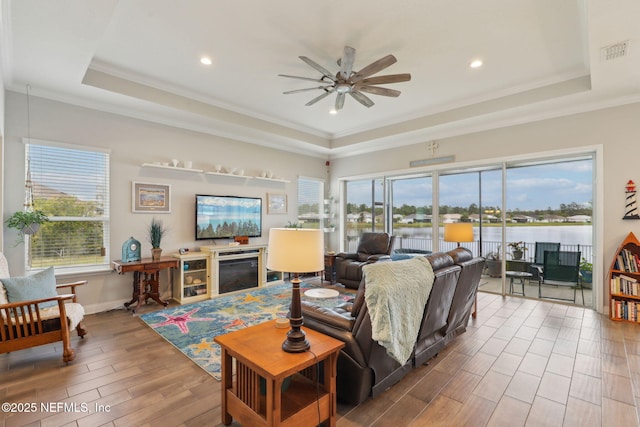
(224, 217)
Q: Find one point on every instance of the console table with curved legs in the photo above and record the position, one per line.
(146, 278)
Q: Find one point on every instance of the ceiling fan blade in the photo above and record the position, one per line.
(318, 67)
(339, 101)
(305, 90)
(303, 78)
(379, 91)
(346, 62)
(391, 78)
(318, 98)
(374, 67)
(362, 99)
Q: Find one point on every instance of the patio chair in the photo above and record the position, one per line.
(536, 269)
(561, 268)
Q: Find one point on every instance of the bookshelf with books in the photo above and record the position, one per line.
(624, 281)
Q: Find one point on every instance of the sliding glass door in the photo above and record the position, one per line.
(410, 216)
(472, 197)
(518, 210)
(550, 208)
(365, 210)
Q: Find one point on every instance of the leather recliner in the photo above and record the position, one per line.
(436, 313)
(364, 367)
(373, 247)
(465, 296)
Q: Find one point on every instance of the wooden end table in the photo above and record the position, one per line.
(259, 358)
(146, 278)
(330, 268)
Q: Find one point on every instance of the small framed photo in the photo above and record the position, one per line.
(147, 197)
(276, 203)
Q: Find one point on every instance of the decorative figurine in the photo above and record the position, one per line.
(630, 207)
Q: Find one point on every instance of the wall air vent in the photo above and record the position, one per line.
(614, 51)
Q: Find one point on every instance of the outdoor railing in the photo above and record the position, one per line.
(487, 247)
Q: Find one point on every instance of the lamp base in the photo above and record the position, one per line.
(296, 342)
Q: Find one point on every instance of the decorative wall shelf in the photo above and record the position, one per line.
(271, 179)
(231, 175)
(175, 168)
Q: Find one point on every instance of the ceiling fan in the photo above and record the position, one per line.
(347, 81)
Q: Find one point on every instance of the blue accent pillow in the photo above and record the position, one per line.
(36, 286)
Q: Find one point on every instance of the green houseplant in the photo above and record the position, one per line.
(26, 222)
(156, 232)
(517, 249)
(586, 272)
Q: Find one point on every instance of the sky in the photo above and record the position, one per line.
(528, 187)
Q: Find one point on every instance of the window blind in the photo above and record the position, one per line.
(71, 186)
(310, 196)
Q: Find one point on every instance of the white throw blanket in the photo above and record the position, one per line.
(396, 294)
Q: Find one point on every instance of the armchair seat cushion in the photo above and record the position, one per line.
(74, 311)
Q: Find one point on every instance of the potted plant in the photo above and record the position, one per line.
(493, 264)
(330, 228)
(517, 249)
(156, 231)
(26, 222)
(586, 272)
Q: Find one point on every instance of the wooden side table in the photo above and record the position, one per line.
(330, 268)
(259, 358)
(146, 278)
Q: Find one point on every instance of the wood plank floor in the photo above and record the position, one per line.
(521, 363)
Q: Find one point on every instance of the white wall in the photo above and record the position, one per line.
(131, 143)
(616, 129)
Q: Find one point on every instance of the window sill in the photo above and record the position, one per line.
(80, 272)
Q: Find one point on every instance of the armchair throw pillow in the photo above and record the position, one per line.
(36, 286)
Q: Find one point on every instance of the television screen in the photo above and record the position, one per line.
(223, 217)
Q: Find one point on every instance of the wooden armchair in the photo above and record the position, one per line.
(26, 323)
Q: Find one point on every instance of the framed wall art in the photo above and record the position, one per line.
(148, 197)
(276, 203)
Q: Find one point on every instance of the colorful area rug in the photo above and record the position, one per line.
(191, 328)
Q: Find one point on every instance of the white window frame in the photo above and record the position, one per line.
(104, 218)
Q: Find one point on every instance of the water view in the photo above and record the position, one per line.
(567, 234)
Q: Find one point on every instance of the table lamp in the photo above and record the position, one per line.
(458, 232)
(295, 250)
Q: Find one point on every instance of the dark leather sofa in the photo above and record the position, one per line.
(364, 367)
(372, 247)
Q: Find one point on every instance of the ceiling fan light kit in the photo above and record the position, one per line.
(346, 81)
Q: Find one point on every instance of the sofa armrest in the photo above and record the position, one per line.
(378, 257)
(347, 255)
(336, 325)
(337, 318)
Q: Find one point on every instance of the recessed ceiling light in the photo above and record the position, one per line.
(205, 60)
(333, 111)
(476, 63)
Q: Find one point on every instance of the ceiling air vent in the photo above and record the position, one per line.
(614, 51)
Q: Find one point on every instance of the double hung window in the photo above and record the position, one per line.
(70, 185)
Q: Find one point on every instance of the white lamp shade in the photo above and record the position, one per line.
(458, 232)
(295, 250)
